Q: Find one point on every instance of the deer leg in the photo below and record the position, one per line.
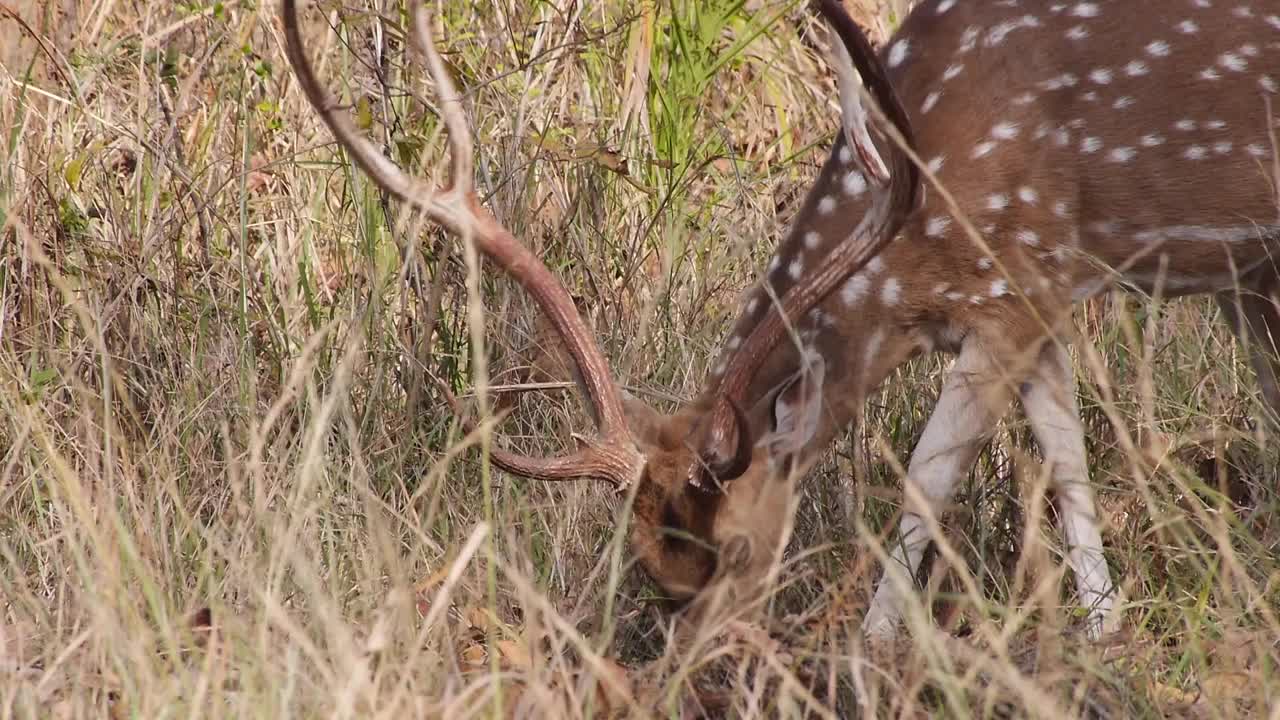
(1253, 311)
(1049, 400)
(974, 397)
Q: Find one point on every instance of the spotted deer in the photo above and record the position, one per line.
(995, 163)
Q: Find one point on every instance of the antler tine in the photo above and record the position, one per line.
(612, 456)
(883, 222)
(455, 122)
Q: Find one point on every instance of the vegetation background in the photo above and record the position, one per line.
(230, 488)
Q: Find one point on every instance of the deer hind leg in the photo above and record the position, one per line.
(1049, 400)
(974, 397)
(1253, 311)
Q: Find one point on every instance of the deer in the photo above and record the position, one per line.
(993, 166)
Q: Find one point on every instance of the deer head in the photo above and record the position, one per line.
(709, 477)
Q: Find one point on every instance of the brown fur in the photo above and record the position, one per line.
(945, 283)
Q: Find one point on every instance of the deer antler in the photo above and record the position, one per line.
(724, 437)
(611, 456)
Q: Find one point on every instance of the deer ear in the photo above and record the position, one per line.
(855, 120)
(797, 409)
(644, 422)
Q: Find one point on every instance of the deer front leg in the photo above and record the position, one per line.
(974, 397)
(1049, 399)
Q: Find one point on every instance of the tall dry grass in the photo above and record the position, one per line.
(229, 488)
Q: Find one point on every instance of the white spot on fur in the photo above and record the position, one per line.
(1188, 27)
(1216, 125)
(891, 292)
(1233, 62)
(855, 184)
(795, 268)
(1090, 145)
(855, 288)
(1151, 140)
(1085, 9)
(875, 265)
(1222, 148)
(952, 70)
(1243, 11)
(1185, 125)
(930, 101)
(1025, 98)
(985, 263)
(999, 287)
(826, 205)
(846, 154)
(1101, 76)
(1122, 102)
(1028, 237)
(1090, 96)
(752, 305)
(898, 53)
(812, 240)
(1121, 154)
(1064, 80)
(1004, 130)
(873, 347)
(1273, 21)
(1195, 152)
(935, 164)
(1209, 74)
(774, 263)
(1028, 195)
(969, 39)
(1158, 48)
(1061, 209)
(937, 226)
(1136, 68)
(1077, 32)
(1255, 150)
(1268, 84)
(945, 5)
(1061, 137)
(1249, 50)
(997, 202)
(983, 149)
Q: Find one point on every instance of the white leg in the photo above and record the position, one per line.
(1049, 400)
(974, 397)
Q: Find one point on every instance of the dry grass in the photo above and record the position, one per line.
(229, 489)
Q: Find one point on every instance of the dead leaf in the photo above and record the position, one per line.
(201, 624)
(479, 619)
(614, 685)
(473, 657)
(1227, 687)
(610, 160)
(515, 653)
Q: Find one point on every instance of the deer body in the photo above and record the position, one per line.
(1087, 144)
